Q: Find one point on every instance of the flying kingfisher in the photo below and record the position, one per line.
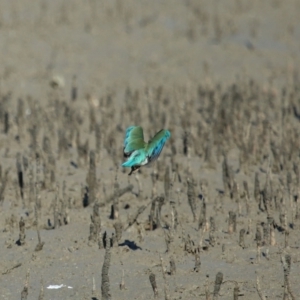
(138, 152)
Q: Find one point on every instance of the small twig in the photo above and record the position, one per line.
(92, 178)
(191, 197)
(115, 213)
(3, 185)
(218, 283)
(40, 244)
(137, 178)
(242, 238)
(166, 285)
(24, 292)
(118, 228)
(232, 222)
(258, 288)
(202, 216)
(134, 218)
(41, 295)
(94, 288)
(258, 242)
(160, 200)
(122, 284)
(152, 214)
(197, 260)
(95, 226)
(22, 234)
(286, 263)
(236, 292)
(105, 268)
(153, 284)
(207, 292)
(7, 271)
(172, 266)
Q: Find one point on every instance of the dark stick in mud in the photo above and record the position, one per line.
(232, 222)
(191, 197)
(172, 266)
(153, 284)
(41, 294)
(242, 238)
(166, 285)
(258, 289)
(286, 264)
(118, 228)
(24, 292)
(22, 234)
(105, 285)
(217, 287)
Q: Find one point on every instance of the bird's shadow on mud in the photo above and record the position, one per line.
(131, 245)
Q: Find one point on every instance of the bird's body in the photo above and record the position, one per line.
(138, 152)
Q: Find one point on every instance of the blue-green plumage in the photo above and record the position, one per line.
(140, 153)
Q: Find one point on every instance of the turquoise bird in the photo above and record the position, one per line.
(138, 152)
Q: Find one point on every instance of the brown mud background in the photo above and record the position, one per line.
(221, 203)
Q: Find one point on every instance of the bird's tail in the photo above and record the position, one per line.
(128, 163)
(137, 158)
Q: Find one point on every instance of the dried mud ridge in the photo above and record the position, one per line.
(226, 188)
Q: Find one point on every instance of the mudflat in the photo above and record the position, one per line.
(216, 216)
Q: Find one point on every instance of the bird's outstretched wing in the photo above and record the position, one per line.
(156, 144)
(134, 140)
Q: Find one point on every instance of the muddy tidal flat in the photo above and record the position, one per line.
(217, 216)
